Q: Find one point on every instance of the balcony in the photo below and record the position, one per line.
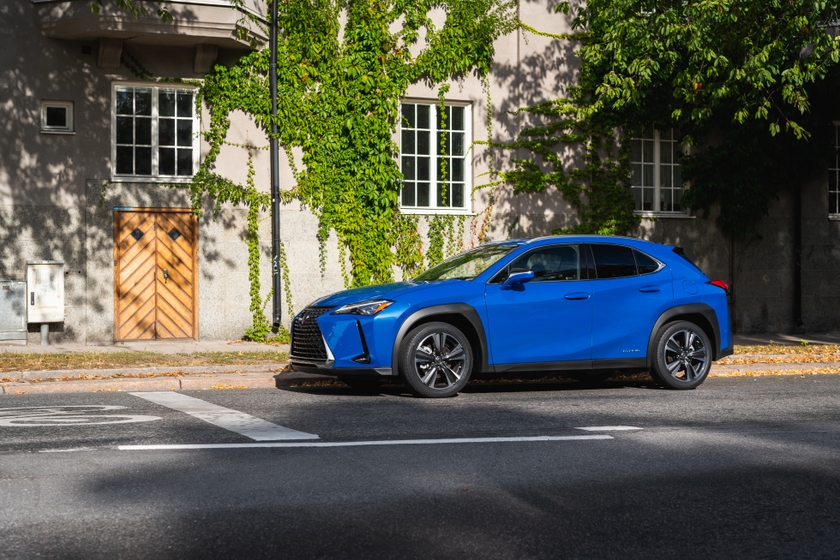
(196, 22)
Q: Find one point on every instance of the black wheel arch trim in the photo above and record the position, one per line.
(689, 309)
(468, 312)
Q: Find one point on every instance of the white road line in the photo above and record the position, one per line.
(356, 443)
(608, 428)
(233, 420)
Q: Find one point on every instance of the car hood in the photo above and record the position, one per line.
(390, 291)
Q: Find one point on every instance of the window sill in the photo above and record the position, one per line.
(123, 179)
(834, 217)
(59, 132)
(678, 215)
(432, 211)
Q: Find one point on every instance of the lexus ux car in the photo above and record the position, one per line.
(589, 305)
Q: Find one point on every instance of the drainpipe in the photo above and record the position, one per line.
(275, 174)
(732, 282)
(797, 257)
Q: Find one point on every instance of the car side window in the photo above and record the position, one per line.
(613, 261)
(550, 264)
(645, 264)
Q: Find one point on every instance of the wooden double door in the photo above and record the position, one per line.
(155, 274)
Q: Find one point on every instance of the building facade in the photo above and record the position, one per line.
(90, 150)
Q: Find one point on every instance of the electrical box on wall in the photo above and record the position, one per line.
(12, 310)
(45, 291)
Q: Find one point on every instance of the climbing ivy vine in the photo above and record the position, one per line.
(343, 66)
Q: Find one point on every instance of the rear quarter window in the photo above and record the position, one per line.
(645, 264)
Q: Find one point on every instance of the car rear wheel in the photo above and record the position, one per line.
(683, 356)
(435, 360)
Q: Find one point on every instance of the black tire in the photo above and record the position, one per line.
(435, 360)
(592, 376)
(682, 356)
(362, 382)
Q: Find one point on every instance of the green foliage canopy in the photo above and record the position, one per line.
(731, 75)
(687, 61)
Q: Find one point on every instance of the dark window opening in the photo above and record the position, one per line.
(645, 264)
(550, 264)
(613, 261)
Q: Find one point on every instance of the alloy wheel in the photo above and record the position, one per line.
(439, 360)
(685, 356)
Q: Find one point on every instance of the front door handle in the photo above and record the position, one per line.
(577, 295)
(649, 289)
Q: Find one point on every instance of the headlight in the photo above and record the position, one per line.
(364, 308)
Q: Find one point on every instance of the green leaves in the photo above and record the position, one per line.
(343, 67)
(759, 78)
(704, 57)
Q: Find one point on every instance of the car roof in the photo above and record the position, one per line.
(589, 238)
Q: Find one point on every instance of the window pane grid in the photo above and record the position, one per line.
(655, 171)
(433, 145)
(154, 131)
(834, 176)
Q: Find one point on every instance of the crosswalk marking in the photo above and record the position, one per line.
(249, 426)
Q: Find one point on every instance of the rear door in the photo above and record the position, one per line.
(629, 293)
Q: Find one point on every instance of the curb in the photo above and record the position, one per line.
(172, 371)
(198, 382)
(729, 369)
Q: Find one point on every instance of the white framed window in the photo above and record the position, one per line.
(834, 178)
(433, 158)
(57, 117)
(154, 132)
(655, 171)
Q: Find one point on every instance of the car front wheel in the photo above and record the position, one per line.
(435, 360)
(683, 356)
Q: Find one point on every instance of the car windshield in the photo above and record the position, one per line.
(468, 265)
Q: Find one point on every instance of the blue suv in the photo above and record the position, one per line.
(591, 305)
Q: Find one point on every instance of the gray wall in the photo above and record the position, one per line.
(51, 204)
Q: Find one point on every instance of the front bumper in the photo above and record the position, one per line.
(344, 344)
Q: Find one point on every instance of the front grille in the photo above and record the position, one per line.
(307, 341)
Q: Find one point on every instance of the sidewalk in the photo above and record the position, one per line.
(154, 378)
(160, 346)
(786, 339)
(158, 378)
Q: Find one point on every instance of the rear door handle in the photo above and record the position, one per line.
(577, 295)
(649, 289)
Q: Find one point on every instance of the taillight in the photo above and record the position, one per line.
(720, 284)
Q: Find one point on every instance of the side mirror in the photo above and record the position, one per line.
(516, 279)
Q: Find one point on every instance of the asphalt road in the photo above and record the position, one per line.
(739, 468)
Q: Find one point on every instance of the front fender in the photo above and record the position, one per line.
(422, 315)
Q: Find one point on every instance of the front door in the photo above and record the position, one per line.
(155, 258)
(547, 320)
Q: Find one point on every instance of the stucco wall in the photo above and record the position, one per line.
(51, 196)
